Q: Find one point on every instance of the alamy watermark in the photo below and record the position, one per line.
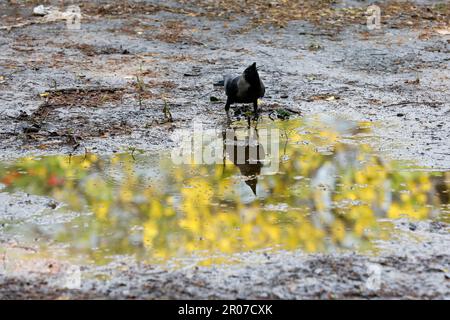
(62, 275)
(373, 282)
(248, 146)
(73, 17)
(374, 17)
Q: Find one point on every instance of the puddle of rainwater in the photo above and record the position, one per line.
(311, 184)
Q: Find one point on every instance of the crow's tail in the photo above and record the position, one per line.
(226, 79)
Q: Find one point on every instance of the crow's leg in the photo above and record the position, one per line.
(227, 108)
(255, 109)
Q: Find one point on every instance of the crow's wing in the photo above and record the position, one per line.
(231, 86)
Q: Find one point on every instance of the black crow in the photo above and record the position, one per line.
(246, 88)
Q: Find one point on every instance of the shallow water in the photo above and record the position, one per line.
(312, 184)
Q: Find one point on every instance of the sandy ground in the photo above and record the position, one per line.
(412, 266)
(104, 88)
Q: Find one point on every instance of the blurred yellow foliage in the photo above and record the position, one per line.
(201, 209)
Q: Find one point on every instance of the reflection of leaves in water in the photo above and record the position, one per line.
(328, 195)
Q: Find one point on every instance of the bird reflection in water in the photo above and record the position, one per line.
(247, 154)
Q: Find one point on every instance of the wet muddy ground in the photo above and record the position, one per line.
(137, 74)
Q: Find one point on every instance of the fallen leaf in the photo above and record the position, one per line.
(444, 32)
(415, 81)
(325, 97)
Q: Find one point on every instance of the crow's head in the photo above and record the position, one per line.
(251, 73)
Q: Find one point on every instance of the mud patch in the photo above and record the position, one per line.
(79, 97)
(91, 50)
